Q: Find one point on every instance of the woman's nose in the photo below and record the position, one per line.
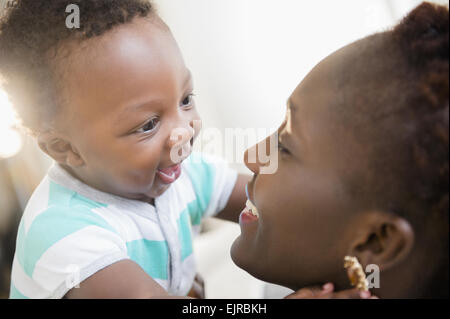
(257, 156)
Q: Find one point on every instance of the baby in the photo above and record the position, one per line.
(363, 169)
(112, 103)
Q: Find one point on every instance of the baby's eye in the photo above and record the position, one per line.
(188, 101)
(150, 126)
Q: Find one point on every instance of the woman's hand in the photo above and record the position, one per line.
(327, 292)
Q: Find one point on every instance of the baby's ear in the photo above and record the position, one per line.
(383, 239)
(59, 149)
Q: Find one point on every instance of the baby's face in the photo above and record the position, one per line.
(305, 210)
(130, 114)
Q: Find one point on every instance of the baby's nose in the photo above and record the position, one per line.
(180, 143)
(180, 135)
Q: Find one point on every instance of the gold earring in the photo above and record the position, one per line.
(355, 273)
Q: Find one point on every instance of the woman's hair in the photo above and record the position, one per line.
(397, 84)
(423, 40)
(393, 94)
(32, 31)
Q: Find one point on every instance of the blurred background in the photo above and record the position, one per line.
(247, 56)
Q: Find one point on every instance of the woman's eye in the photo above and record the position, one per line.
(150, 126)
(188, 100)
(283, 149)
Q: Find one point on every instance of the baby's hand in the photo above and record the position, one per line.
(327, 292)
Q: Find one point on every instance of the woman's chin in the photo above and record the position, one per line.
(246, 258)
(240, 255)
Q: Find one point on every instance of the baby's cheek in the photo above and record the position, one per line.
(137, 180)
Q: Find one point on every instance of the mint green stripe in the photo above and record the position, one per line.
(68, 212)
(202, 177)
(50, 227)
(195, 212)
(16, 294)
(151, 255)
(185, 235)
(62, 196)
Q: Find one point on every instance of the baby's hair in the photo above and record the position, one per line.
(32, 31)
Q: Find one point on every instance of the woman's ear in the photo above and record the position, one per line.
(59, 149)
(383, 239)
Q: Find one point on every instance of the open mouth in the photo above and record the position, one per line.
(170, 174)
(250, 208)
(249, 205)
(250, 212)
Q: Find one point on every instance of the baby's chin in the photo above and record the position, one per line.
(158, 190)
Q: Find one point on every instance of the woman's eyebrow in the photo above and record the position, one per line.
(291, 105)
(289, 111)
(293, 127)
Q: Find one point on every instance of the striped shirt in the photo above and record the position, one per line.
(69, 230)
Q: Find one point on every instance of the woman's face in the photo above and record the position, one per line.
(305, 210)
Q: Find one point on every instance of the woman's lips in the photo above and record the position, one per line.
(250, 213)
(247, 217)
(170, 174)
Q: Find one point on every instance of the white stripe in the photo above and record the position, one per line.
(73, 253)
(176, 199)
(129, 225)
(187, 193)
(24, 284)
(189, 270)
(37, 204)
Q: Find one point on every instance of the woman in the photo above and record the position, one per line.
(362, 168)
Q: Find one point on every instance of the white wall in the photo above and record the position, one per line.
(248, 55)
